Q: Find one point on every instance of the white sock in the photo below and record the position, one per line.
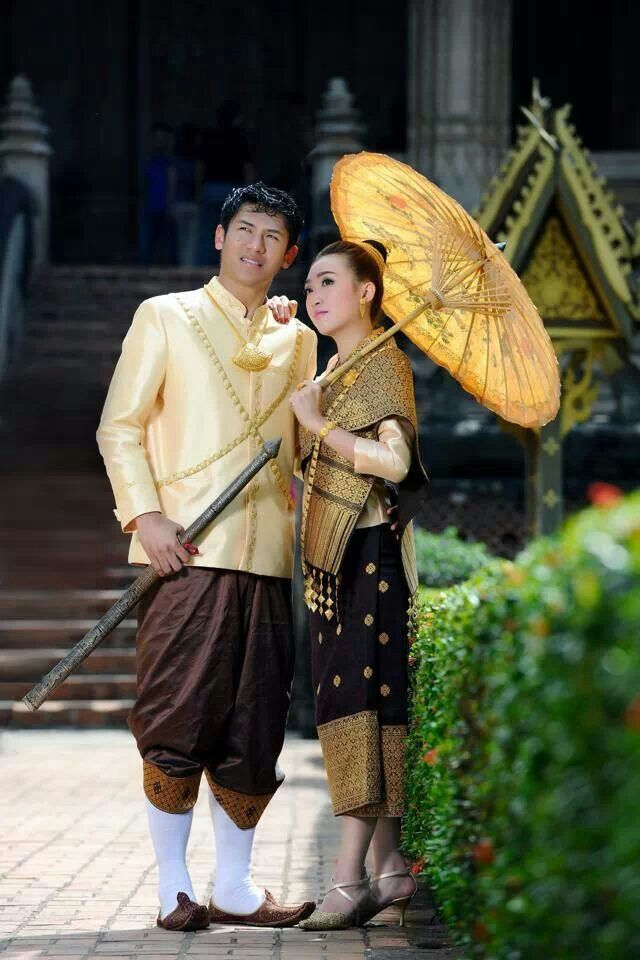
(233, 890)
(170, 835)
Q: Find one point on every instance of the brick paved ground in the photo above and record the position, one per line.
(77, 877)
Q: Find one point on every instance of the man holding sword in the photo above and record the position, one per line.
(203, 380)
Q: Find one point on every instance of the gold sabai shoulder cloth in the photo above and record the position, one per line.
(378, 386)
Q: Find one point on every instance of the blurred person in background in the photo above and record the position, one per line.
(157, 227)
(226, 161)
(188, 183)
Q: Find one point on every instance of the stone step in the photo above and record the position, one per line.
(66, 713)
(30, 666)
(60, 573)
(25, 604)
(50, 577)
(63, 351)
(32, 634)
(90, 686)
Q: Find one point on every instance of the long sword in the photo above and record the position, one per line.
(81, 650)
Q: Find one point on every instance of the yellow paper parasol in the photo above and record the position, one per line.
(449, 288)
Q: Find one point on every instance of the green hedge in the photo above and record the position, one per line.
(444, 559)
(523, 776)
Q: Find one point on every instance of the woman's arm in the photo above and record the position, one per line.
(388, 457)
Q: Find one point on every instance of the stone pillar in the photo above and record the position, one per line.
(24, 154)
(338, 131)
(459, 92)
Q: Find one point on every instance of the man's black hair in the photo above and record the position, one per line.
(264, 200)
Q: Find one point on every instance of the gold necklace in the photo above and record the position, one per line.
(249, 356)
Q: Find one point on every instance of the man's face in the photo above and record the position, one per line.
(254, 247)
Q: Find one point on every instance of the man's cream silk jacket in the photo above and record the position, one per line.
(181, 420)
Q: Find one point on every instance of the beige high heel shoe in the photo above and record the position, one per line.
(401, 902)
(326, 920)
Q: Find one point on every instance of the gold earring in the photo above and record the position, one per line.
(363, 308)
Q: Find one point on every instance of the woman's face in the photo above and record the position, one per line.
(333, 294)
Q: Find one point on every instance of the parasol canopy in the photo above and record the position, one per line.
(449, 288)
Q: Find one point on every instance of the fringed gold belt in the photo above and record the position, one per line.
(321, 592)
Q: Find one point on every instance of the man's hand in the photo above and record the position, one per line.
(159, 539)
(282, 308)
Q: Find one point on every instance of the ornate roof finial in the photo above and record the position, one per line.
(537, 114)
(537, 100)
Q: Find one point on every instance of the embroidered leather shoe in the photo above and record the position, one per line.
(269, 914)
(187, 916)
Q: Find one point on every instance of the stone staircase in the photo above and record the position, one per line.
(79, 316)
(63, 554)
(62, 569)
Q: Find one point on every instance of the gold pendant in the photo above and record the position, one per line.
(252, 358)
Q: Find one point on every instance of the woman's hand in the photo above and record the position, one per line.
(306, 403)
(282, 308)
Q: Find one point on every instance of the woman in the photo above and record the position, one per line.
(359, 453)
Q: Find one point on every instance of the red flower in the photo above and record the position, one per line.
(416, 867)
(603, 494)
(412, 661)
(632, 715)
(483, 851)
(431, 756)
(480, 931)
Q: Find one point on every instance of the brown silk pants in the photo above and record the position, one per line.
(214, 672)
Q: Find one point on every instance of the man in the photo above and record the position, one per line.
(204, 378)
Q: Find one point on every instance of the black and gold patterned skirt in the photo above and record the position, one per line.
(359, 668)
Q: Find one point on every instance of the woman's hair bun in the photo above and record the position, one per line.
(380, 247)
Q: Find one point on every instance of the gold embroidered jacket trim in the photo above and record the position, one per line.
(253, 423)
